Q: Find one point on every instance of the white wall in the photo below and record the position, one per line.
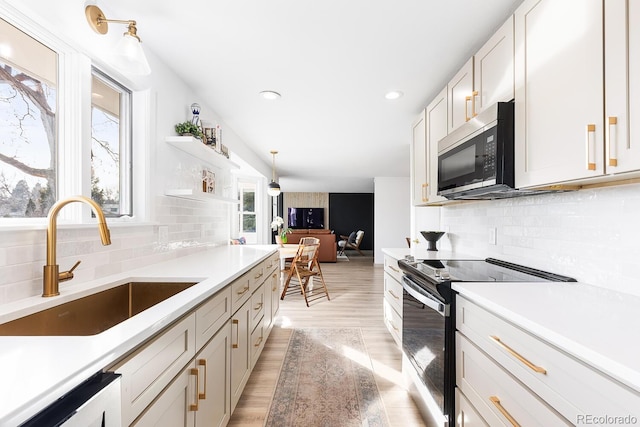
(192, 225)
(592, 235)
(391, 213)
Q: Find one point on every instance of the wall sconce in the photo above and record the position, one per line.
(274, 188)
(128, 53)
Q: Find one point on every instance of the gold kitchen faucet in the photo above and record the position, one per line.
(52, 277)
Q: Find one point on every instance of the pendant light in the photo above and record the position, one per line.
(274, 188)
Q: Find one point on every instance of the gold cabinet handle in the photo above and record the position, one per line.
(257, 344)
(591, 147)
(236, 322)
(258, 306)
(467, 99)
(195, 373)
(474, 94)
(503, 411)
(203, 363)
(393, 326)
(612, 139)
(243, 290)
(515, 354)
(424, 196)
(394, 269)
(393, 295)
(259, 275)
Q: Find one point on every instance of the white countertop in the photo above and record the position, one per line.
(596, 325)
(35, 371)
(422, 253)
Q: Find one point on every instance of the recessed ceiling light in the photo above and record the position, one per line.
(269, 94)
(394, 94)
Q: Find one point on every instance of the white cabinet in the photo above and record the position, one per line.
(240, 352)
(495, 358)
(622, 86)
(436, 114)
(419, 178)
(200, 394)
(558, 91)
(493, 69)
(392, 303)
(461, 98)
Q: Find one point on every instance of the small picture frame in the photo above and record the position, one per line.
(208, 181)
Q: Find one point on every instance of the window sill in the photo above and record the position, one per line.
(199, 196)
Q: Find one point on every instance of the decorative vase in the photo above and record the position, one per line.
(283, 238)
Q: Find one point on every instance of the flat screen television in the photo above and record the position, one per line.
(305, 217)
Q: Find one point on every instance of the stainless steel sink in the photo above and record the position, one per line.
(95, 313)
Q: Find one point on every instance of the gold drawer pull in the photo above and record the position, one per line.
(425, 196)
(507, 415)
(258, 275)
(394, 269)
(258, 306)
(467, 99)
(257, 344)
(515, 354)
(194, 372)
(394, 326)
(591, 147)
(612, 141)
(243, 290)
(236, 322)
(393, 295)
(203, 363)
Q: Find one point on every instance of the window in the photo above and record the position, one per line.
(110, 145)
(28, 129)
(247, 208)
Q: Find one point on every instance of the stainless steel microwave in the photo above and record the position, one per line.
(476, 161)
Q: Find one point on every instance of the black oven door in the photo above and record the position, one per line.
(471, 164)
(425, 320)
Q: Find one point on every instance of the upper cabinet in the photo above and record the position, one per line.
(419, 184)
(461, 96)
(436, 114)
(622, 86)
(485, 79)
(558, 91)
(493, 69)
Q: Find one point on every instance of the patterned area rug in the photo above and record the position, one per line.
(326, 380)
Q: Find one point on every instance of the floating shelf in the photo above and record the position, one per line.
(198, 195)
(196, 148)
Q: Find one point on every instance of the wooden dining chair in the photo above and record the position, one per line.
(303, 268)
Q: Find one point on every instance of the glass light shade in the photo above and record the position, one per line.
(274, 189)
(129, 56)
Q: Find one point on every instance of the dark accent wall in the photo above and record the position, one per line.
(352, 212)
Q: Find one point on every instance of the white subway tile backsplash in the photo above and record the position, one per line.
(591, 235)
(23, 251)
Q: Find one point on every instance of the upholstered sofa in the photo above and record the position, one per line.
(328, 246)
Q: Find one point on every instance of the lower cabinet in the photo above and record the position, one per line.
(200, 394)
(512, 377)
(392, 303)
(194, 372)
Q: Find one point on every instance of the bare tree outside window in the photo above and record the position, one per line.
(28, 97)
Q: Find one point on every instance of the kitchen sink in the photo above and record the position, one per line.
(95, 313)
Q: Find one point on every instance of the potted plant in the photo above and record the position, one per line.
(278, 225)
(188, 128)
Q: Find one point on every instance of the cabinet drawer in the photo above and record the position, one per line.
(211, 315)
(393, 321)
(256, 343)
(257, 307)
(393, 292)
(240, 291)
(498, 397)
(256, 276)
(568, 385)
(391, 267)
(271, 264)
(150, 369)
(466, 414)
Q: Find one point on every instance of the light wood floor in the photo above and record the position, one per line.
(356, 290)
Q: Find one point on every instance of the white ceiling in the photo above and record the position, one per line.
(332, 61)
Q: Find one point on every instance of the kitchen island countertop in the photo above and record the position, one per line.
(35, 371)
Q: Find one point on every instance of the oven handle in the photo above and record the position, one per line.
(422, 297)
